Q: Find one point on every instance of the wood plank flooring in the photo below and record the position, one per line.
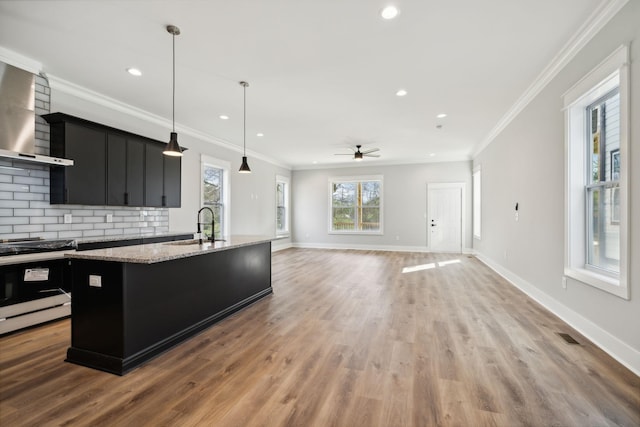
(347, 339)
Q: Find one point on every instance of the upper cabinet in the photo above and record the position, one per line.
(112, 167)
(125, 171)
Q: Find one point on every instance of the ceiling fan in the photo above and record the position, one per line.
(359, 155)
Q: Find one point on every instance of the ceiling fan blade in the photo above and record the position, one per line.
(371, 155)
(371, 150)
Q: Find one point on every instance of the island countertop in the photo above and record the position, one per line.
(159, 252)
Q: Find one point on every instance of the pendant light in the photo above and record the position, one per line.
(244, 167)
(173, 148)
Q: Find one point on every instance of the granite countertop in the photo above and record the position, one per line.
(116, 237)
(159, 252)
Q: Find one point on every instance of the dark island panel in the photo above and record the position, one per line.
(141, 310)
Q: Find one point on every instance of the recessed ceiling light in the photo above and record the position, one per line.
(441, 116)
(401, 92)
(315, 162)
(432, 155)
(223, 117)
(259, 134)
(389, 12)
(134, 72)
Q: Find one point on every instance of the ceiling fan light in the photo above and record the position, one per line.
(357, 156)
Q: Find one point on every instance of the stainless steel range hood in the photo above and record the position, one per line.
(17, 117)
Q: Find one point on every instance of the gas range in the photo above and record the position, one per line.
(34, 282)
(35, 245)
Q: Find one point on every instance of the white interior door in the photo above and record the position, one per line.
(445, 217)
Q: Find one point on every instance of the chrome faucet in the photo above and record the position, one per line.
(212, 225)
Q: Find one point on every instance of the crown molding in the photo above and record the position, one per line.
(598, 19)
(20, 61)
(97, 98)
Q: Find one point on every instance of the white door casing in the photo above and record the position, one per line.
(445, 217)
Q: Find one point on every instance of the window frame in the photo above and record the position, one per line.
(611, 73)
(356, 179)
(287, 205)
(477, 202)
(225, 166)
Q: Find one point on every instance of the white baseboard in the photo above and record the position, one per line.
(387, 248)
(610, 344)
(276, 246)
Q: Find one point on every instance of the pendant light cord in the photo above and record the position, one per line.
(173, 106)
(244, 135)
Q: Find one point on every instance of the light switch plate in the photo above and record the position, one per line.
(95, 281)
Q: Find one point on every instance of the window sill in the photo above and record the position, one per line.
(600, 281)
(358, 233)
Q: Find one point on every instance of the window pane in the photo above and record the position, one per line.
(212, 184)
(604, 230)
(280, 194)
(280, 218)
(344, 194)
(343, 219)
(371, 193)
(370, 219)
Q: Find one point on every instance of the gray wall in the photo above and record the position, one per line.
(404, 204)
(525, 164)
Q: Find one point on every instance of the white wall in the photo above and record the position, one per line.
(525, 164)
(404, 204)
(252, 195)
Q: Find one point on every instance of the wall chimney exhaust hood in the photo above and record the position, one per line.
(17, 117)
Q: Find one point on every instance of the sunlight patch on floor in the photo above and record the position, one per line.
(429, 266)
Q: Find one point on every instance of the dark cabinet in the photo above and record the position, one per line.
(162, 178)
(111, 167)
(125, 171)
(84, 183)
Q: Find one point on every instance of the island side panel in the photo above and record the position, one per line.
(166, 302)
(96, 314)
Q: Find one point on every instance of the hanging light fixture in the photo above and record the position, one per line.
(173, 148)
(244, 167)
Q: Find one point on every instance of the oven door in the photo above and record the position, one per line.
(32, 280)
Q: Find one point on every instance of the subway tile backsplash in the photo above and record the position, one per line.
(25, 211)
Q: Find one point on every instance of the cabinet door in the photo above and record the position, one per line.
(172, 177)
(135, 171)
(153, 175)
(116, 170)
(85, 181)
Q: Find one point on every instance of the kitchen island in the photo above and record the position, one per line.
(132, 303)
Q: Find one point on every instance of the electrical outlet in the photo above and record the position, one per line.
(109, 218)
(68, 219)
(95, 281)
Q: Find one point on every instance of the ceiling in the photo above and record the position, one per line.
(323, 74)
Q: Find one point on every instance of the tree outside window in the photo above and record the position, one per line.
(355, 206)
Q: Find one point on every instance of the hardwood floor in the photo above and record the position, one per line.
(347, 339)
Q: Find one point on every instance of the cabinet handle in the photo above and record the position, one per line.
(164, 200)
(66, 195)
(126, 198)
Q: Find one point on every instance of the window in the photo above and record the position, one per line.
(477, 188)
(597, 114)
(356, 205)
(215, 195)
(282, 205)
